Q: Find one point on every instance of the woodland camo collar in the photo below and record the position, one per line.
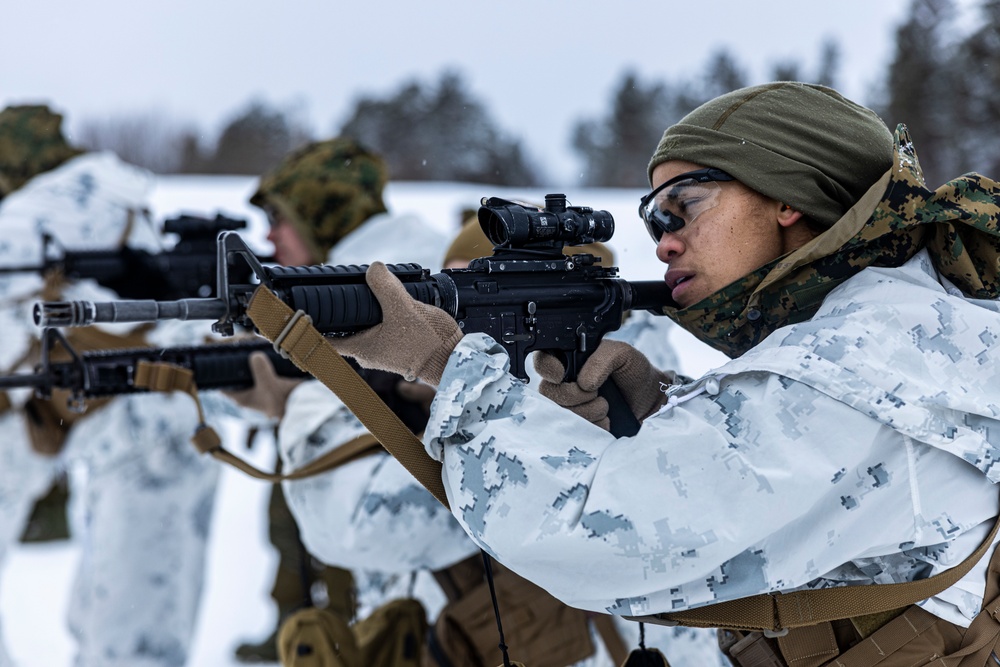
(898, 216)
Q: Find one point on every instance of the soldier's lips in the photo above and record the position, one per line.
(679, 282)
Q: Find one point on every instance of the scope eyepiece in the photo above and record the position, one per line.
(515, 225)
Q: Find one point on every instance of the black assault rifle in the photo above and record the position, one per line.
(527, 296)
(106, 373)
(103, 373)
(186, 270)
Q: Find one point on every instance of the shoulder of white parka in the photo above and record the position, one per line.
(905, 346)
(392, 239)
(363, 514)
(85, 203)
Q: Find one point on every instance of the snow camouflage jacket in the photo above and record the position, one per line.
(854, 447)
(357, 516)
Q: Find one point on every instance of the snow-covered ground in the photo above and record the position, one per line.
(36, 579)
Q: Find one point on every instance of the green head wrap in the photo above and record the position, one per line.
(326, 189)
(804, 145)
(31, 142)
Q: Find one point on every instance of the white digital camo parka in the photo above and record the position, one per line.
(854, 447)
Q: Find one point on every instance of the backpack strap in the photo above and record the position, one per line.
(293, 334)
(775, 613)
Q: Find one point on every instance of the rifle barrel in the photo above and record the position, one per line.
(85, 313)
(39, 269)
(23, 380)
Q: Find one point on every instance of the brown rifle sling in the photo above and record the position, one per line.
(293, 334)
(168, 377)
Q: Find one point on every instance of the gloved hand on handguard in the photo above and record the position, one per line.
(640, 383)
(413, 339)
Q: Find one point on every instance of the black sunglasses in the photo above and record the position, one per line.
(658, 220)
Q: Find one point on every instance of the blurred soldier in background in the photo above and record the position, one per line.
(146, 497)
(324, 201)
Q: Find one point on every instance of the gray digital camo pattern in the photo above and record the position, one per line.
(360, 516)
(145, 495)
(852, 448)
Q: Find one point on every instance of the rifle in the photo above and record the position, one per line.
(527, 296)
(103, 373)
(186, 270)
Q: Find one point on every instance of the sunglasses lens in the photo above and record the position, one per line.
(676, 204)
(658, 222)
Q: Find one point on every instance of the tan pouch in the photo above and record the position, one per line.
(916, 637)
(49, 420)
(314, 637)
(539, 630)
(393, 635)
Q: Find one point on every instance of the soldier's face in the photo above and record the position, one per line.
(741, 231)
(289, 248)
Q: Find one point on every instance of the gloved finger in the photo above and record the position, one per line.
(261, 369)
(549, 367)
(610, 357)
(566, 394)
(388, 289)
(595, 411)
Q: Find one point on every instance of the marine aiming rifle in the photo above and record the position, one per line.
(527, 296)
(186, 270)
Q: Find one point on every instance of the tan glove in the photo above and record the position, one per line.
(413, 339)
(269, 393)
(639, 382)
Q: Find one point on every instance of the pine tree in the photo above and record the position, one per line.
(254, 141)
(919, 86)
(439, 133)
(616, 148)
(975, 102)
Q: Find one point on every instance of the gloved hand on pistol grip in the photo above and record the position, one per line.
(639, 382)
(269, 393)
(413, 339)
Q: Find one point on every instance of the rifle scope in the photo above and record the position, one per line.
(187, 226)
(513, 225)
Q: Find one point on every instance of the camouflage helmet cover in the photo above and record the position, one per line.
(326, 189)
(31, 142)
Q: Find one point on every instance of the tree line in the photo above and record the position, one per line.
(944, 84)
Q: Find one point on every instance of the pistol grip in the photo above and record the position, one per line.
(623, 423)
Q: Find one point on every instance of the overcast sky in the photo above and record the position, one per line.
(539, 65)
